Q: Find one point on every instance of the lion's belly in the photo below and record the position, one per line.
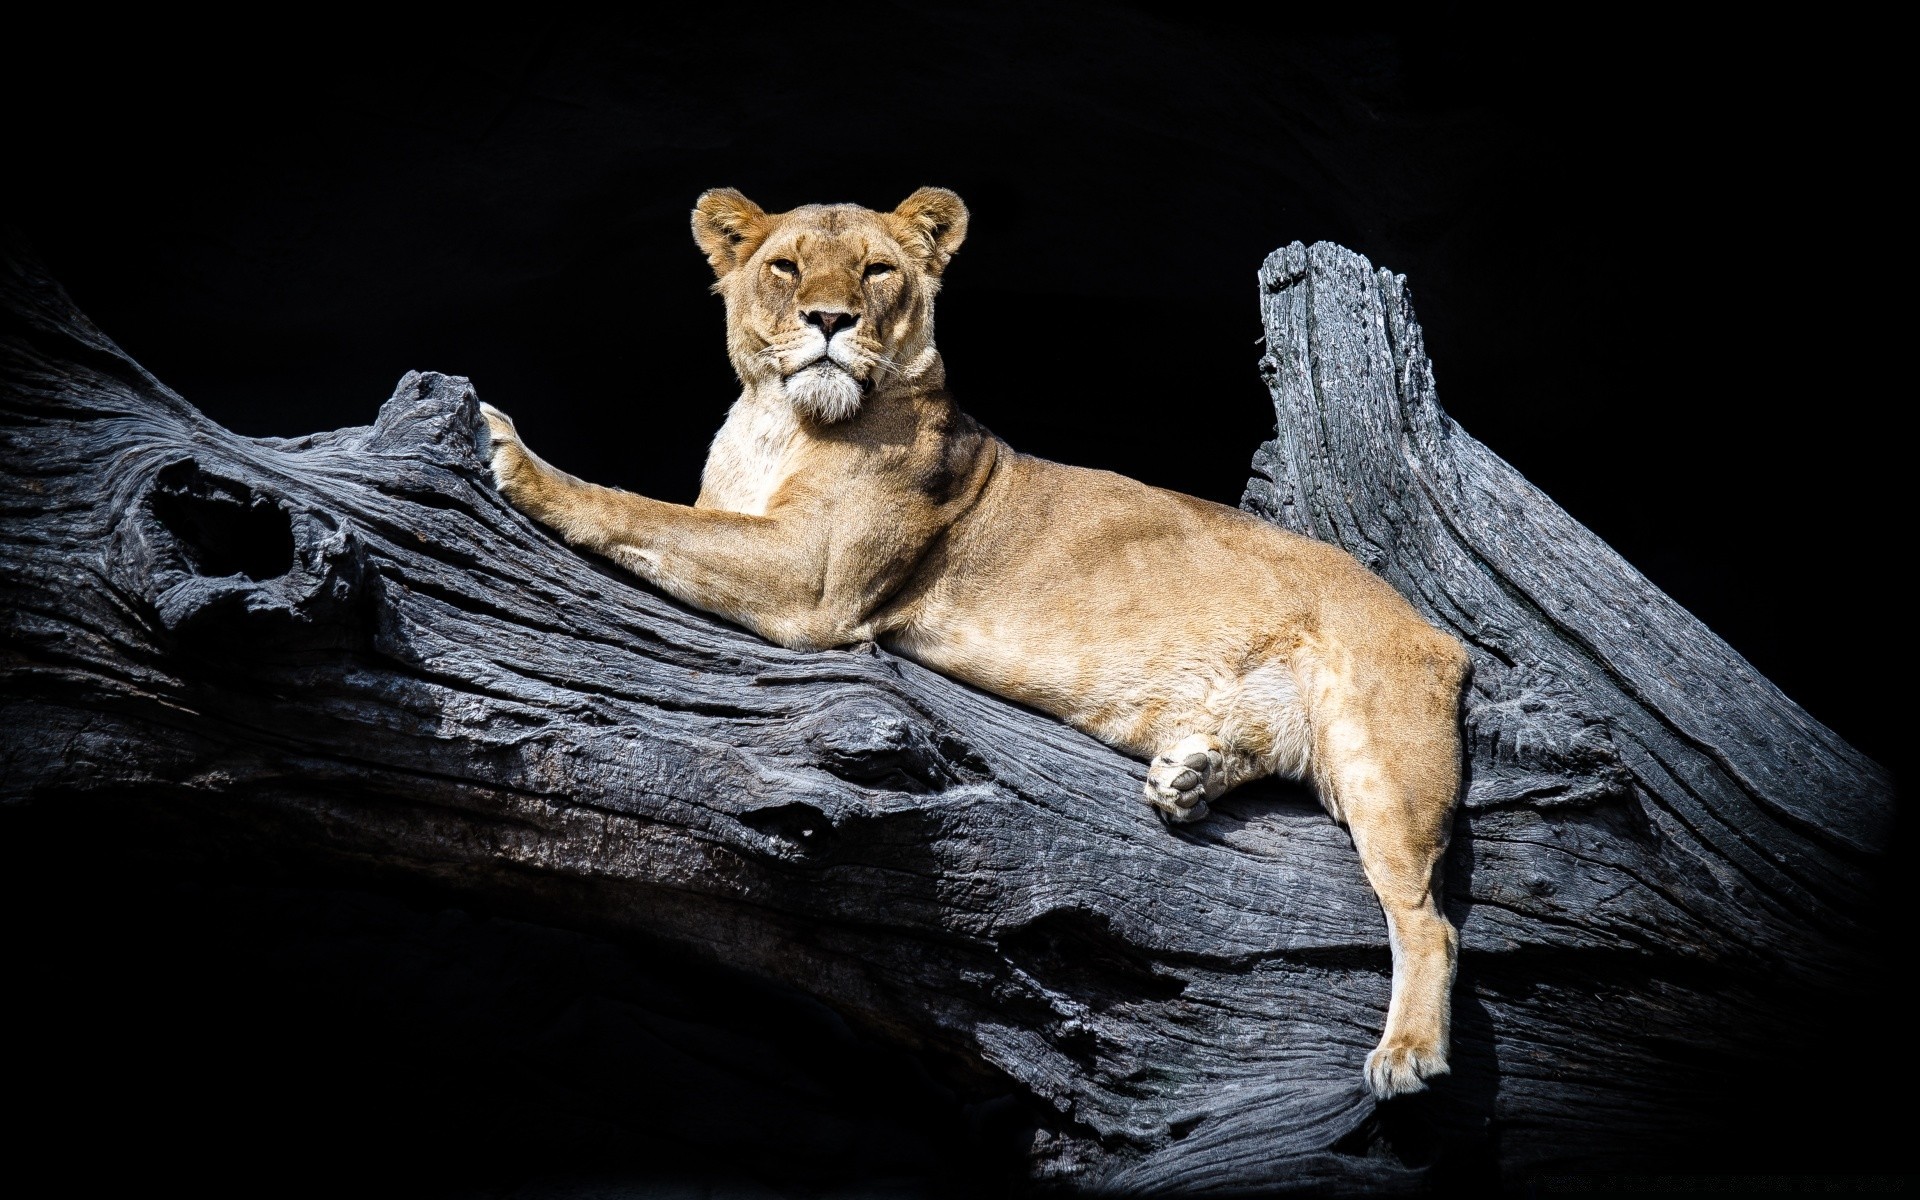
(1132, 690)
(1131, 613)
(1085, 689)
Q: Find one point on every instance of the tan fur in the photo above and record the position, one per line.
(847, 499)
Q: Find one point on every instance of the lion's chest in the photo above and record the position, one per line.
(751, 457)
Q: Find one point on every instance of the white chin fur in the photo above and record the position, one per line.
(824, 392)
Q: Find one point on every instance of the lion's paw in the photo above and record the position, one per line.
(1396, 1070)
(1181, 781)
(498, 443)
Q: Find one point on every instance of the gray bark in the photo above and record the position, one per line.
(346, 645)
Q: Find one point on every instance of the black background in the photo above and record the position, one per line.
(1649, 259)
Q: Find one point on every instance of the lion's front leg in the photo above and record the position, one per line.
(755, 571)
(635, 531)
(535, 487)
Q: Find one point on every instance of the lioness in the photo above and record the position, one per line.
(847, 499)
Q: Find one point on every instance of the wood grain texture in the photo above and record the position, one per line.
(348, 647)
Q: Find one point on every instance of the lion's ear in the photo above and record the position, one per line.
(931, 223)
(728, 227)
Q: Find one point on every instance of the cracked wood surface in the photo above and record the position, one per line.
(349, 645)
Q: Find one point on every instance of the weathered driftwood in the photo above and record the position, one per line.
(347, 644)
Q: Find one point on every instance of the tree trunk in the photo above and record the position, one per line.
(347, 646)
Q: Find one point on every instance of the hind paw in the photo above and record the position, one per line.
(1396, 1070)
(1181, 781)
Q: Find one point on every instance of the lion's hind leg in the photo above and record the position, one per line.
(1401, 860)
(1390, 769)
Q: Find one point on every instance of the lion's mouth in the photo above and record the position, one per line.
(823, 363)
(826, 365)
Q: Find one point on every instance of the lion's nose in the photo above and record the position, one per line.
(826, 320)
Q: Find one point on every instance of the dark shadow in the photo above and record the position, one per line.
(264, 1027)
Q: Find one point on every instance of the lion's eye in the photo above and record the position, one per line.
(784, 267)
(876, 270)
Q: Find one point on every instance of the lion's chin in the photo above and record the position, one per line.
(824, 392)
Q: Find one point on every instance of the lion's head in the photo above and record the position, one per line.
(831, 302)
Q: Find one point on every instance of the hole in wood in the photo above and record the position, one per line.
(802, 827)
(223, 528)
